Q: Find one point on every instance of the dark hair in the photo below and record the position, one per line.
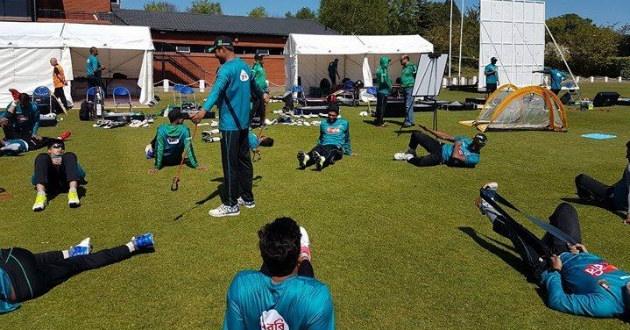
(24, 98)
(628, 144)
(333, 107)
(280, 246)
(266, 141)
(52, 142)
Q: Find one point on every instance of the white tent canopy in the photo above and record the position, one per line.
(26, 48)
(307, 56)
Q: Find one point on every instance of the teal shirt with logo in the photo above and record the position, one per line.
(233, 86)
(471, 158)
(170, 143)
(5, 294)
(587, 285)
(24, 120)
(254, 301)
(557, 77)
(337, 133)
(493, 78)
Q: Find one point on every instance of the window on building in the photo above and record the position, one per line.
(182, 49)
(15, 8)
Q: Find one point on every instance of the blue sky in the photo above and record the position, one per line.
(601, 11)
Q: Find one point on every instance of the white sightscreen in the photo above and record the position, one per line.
(513, 31)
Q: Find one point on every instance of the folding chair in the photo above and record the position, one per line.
(368, 95)
(185, 99)
(299, 90)
(122, 96)
(41, 97)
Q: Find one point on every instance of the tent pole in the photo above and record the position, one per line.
(461, 38)
(562, 55)
(450, 43)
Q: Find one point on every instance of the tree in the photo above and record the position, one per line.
(160, 6)
(205, 7)
(259, 12)
(305, 13)
(288, 15)
(403, 17)
(355, 16)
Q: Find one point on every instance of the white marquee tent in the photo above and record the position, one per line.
(307, 56)
(26, 48)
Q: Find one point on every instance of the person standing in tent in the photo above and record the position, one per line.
(557, 77)
(384, 83)
(231, 93)
(260, 77)
(492, 76)
(59, 81)
(94, 69)
(408, 78)
(333, 74)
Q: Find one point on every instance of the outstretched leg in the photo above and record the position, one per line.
(591, 190)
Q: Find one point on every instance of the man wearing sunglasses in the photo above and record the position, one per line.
(56, 171)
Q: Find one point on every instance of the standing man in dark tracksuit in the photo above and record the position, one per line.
(231, 93)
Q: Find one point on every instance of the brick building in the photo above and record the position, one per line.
(181, 39)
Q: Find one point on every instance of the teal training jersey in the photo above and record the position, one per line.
(234, 85)
(298, 303)
(170, 143)
(337, 133)
(557, 77)
(472, 158)
(24, 120)
(5, 294)
(92, 65)
(493, 78)
(253, 141)
(587, 285)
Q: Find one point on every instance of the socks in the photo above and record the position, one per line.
(131, 246)
(66, 254)
(41, 193)
(72, 190)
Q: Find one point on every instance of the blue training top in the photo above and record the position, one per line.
(493, 78)
(5, 293)
(253, 141)
(92, 65)
(234, 84)
(593, 286)
(254, 301)
(472, 158)
(337, 133)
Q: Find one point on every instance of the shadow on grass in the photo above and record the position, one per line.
(601, 205)
(51, 195)
(509, 258)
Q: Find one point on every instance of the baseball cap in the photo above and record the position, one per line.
(221, 41)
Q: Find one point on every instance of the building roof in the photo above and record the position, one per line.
(178, 21)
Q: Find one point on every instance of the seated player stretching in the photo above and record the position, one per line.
(464, 152)
(577, 282)
(333, 143)
(169, 144)
(616, 197)
(284, 294)
(25, 276)
(56, 171)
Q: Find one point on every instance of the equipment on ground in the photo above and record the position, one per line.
(605, 99)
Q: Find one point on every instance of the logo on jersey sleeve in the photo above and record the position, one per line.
(244, 76)
(272, 320)
(597, 270)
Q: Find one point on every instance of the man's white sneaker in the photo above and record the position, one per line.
(247, 205)
(483, 206)
(403, 156)
(225, 211)
(305, 245)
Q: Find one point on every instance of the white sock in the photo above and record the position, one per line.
(41, 193)
(72, 190)
(131, 246)
(66, 254)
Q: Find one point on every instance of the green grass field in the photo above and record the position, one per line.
(400, 247)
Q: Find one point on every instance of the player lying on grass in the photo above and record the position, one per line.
(170, 142)
(56, 171)
(615, 197)
(25, 276)
(284, 294)
(464, 152)
(20, 124)
(576, 281)
(333, 142)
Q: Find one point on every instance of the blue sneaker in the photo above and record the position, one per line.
(143, 242)
(81, 249)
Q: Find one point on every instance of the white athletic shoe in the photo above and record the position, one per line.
(483, 206)
(403, 156)
(302, 158)
(214, 124)
(225, 211)
(268, 122)
(247, 205)
(305, 245)
(307, 124)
